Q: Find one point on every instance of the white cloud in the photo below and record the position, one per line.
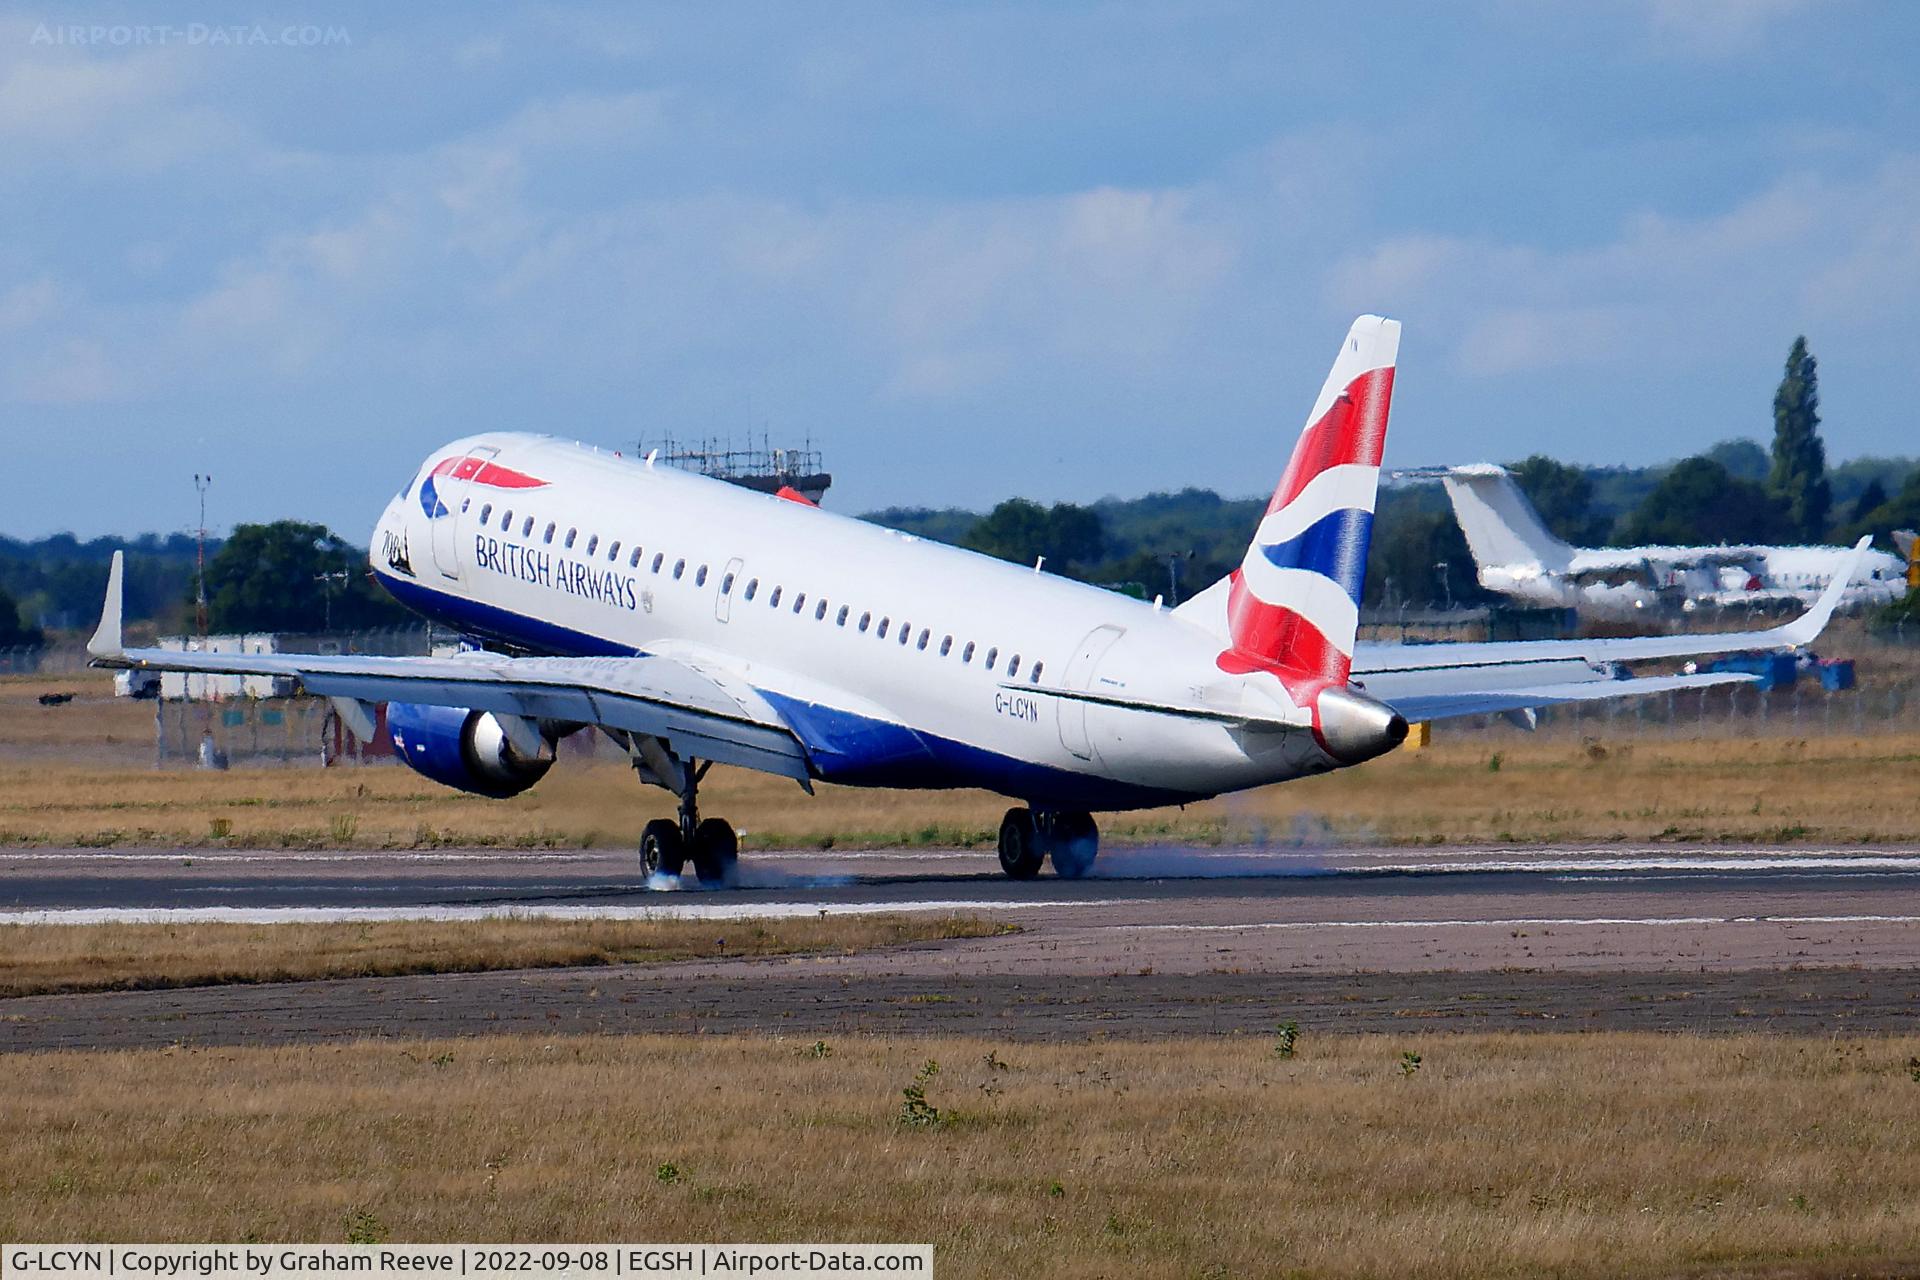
(1719, 28)
(31, 303)
(75, 371)
(1805, 249)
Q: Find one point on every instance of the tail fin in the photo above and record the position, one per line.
(1502, 527)
(1293, 606)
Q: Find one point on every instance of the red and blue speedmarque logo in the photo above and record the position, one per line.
(476, 471)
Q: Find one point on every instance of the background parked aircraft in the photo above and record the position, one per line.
(1518, 556)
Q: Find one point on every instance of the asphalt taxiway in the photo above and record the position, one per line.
(1160, 941)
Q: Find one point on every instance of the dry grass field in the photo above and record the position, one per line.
(40, 959)
(1554, 786)
(1571, 1155)
(1544, 788)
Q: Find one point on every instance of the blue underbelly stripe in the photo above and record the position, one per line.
(846, 747)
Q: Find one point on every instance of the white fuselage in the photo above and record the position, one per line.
(899, 662)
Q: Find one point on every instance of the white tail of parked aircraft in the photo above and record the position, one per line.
(695, 623)
(1516, 555)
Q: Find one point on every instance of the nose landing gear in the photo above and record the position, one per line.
(1029, 837)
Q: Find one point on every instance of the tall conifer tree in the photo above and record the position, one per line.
(1798, 480)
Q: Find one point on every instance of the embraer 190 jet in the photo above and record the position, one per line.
(698, 623)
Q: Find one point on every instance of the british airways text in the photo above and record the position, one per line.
(541, 568)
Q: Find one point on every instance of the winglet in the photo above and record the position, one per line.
(106, 642)
(1806, 628)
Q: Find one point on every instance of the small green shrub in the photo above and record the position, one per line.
(915, 1110)
(364, 1228)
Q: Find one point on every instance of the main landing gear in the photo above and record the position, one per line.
(667, 844)
(1028, 837)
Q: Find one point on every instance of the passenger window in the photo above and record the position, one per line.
(679, 567)
(526, 530)
(486, 514)
(571, 535)
(549, 534)
(906, 633)
(820, 611)
(1013, 666)
(966, 654)
(633, 561)
(464, 504)
(993, 655)
(773, 601)
(946, 646)
(865, 618)
(884, 624)
(800, 602)
(659, 558)
(700, 577)
(593, 544)
(1038, 667)
(613, 553)
(726, 585)
(506, 522)
(925, 635)
(840, 620)
(753, 585)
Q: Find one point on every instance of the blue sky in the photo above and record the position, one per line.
(974, 251)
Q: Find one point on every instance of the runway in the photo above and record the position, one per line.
(1174, 909)
(1160, 942)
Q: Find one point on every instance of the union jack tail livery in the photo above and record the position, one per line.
(1293, 606)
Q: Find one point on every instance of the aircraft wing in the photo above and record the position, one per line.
(1375, 659)
(1443, 706)
(703, 713)
(1438, 681)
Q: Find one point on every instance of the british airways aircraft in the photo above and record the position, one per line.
(697, 623)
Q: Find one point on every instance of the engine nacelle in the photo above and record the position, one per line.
(465, 750)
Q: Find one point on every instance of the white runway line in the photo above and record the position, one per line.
(222, 856)
(1516, 922)
(675, 911)
(1790, 862)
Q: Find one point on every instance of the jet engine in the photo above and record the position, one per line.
(465, 750)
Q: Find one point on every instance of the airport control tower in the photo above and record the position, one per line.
(761, 467)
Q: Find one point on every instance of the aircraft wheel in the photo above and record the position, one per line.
(1076, 842)
(716, 850)
(1020, 852)
(662, 851)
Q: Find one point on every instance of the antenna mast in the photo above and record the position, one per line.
(200, 486)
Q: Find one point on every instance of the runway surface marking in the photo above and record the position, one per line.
(1518, 921)
(795, 910)
(689, 911)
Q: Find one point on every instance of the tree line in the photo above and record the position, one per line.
(1738, 491)
(295, 576)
